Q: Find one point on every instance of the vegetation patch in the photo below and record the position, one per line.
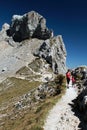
(31, 118)
(24, 71)
(15, 87)
(36, 65)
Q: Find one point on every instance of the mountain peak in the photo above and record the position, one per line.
(29, 25)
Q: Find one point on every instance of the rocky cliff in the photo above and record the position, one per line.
(32, 67)
(30, 34)
(30, 25)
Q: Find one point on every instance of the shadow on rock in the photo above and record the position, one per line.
(80, 114)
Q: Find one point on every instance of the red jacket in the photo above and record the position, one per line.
(73, 80)
(68, 74)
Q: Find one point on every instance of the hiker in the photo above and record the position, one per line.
(73, 81)
(68, 77)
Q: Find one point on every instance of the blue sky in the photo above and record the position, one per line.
(66, 18)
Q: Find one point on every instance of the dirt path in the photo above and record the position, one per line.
(61, 117)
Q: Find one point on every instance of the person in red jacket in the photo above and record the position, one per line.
(73, 81)
(68, 77)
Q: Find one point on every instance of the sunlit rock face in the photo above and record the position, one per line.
(3, 34)
(54, 52)
(30, 25)
(22, 41)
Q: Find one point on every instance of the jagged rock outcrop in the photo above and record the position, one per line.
(80, 72)
(54, 52)
(30, 25)
(3, 34)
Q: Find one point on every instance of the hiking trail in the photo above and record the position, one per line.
(61, 117)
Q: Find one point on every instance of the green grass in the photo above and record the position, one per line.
(17, 88)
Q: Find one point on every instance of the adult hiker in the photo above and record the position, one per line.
(68, 77)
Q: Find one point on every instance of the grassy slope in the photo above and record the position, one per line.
(15, 87)
(27, 118)
(30, 119)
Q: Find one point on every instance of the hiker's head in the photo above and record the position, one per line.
(68, 70)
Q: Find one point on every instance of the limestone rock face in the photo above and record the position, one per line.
(42, 43)
(54, 52)
(30, 25)
(3, 34)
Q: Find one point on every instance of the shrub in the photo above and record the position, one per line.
(36, 128)
(60, 79)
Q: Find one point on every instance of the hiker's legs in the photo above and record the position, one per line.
(68, 81)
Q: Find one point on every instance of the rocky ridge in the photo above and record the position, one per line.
(31, 60)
